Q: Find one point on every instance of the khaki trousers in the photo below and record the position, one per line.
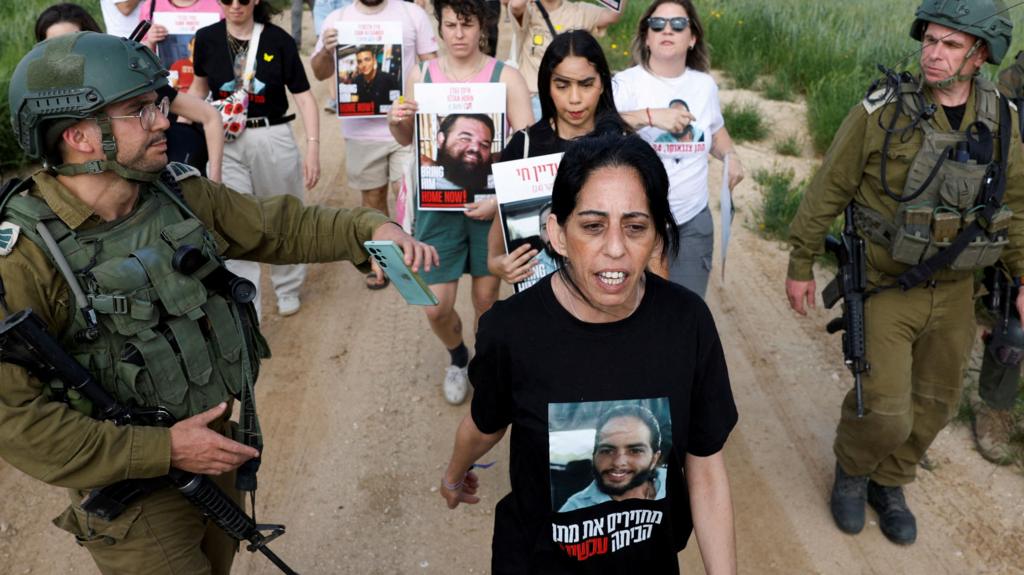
(162, 534)
(917, 345)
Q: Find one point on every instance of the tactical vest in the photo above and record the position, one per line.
(948, 184)
(165, 338)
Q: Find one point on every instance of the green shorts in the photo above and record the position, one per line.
(461, 244)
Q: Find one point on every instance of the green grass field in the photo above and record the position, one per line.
(17, 22)
(827, 51)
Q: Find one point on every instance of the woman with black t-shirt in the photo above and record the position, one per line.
(264, 160)
(614, 383)
(575, 93)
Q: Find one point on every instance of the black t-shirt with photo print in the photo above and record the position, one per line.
(277, 66)
(532, 359)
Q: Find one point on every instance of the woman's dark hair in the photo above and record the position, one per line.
(264, 11)
(697, 58)
(466, 10)
(585, 156)
(582, 44)
(65, 12)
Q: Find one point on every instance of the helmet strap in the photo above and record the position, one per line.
(957, 77)
(110, 164)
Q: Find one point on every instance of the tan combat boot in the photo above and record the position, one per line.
(992, 431)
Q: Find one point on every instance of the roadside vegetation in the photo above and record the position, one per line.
(780, 197)
(745, 121)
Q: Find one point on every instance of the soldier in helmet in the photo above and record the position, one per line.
(932, 166)
(95, 244)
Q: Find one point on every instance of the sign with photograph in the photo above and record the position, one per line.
(175, 51)
(460, 131)
(368, 67)
(524, 202)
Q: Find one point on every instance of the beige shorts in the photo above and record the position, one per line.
(373, 163)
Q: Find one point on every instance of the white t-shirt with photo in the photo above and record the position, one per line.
(117, 23)
(685, 155)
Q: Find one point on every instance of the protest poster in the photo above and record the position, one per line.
(524, 202)
(368, 67)
(175, 51)
(460, 131)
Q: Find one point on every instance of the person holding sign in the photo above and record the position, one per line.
(460, 236)
(575, 100)
(615, 458)
(538, 22)
(174, 26)
(373, 159)
(673, 103)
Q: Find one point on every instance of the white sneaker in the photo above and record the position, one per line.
(456, 384)
(288, 305)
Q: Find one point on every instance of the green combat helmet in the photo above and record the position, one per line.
(984, 19)
(66, 79)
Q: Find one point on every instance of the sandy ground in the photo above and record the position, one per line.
(358, 432)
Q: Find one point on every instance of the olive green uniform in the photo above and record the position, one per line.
(161, 533)
(917, 341)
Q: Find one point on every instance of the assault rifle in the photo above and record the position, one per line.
(849, 285)
(25, 341)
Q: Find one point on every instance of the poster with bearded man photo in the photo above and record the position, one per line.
(605, 451)
(460, 131)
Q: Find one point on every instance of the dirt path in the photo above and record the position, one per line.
(358, 433)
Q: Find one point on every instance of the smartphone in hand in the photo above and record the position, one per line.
(392, 262)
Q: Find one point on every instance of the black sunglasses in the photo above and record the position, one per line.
(240, 2)
(658, 24)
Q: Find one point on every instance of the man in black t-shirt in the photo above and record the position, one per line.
(372, 85)
(627, 452)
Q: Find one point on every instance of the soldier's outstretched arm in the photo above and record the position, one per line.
(281, 230)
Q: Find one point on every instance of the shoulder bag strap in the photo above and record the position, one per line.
(547, 17)
(250, 58)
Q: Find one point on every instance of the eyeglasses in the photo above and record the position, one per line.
(148, 114)
(240, 2)
(658, 24)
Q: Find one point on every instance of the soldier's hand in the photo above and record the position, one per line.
(1020, 303)
(417, 254)
(799, 291)
(330, 37)
(198, 449)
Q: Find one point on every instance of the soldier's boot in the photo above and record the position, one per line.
(894, 517)
(849, 492)
(993, 429)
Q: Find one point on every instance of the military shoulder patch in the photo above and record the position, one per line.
(180, 171)
(9, 233)
(877, 99)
